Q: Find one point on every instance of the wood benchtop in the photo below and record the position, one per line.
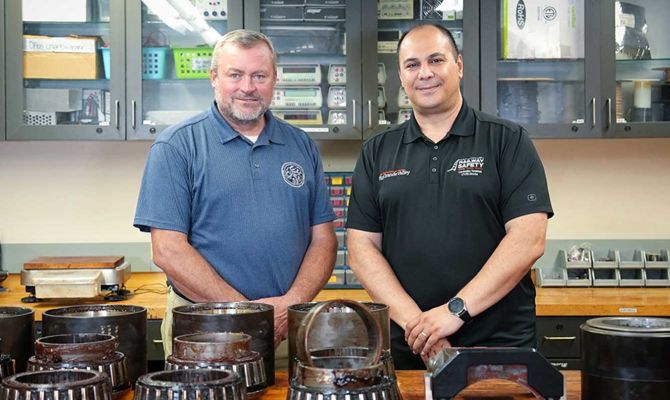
(412, 388)
(149, 291)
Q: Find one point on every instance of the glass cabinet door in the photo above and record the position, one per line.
(534, 65)
(66, 69)
(2, 73)
(319, 62)
(169, 50)
(638, 30)
(385, 102)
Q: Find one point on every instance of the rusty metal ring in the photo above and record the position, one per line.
(371, 325)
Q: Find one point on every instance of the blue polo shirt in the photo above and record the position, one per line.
(246, 207)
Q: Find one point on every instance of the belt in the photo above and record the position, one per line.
(178, 293)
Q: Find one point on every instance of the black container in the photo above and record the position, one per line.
(128, 323)
(17, 331)
(254, 319)
(625, 358)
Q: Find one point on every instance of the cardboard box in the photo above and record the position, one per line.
(56, 10)
(48, 100)
(47, 57)
(537, 29)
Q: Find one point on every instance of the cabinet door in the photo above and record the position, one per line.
(384, 101)
(65, 69)
(169, 56)
(636, 68)
(319, 61)
(2, 73)
(535, 59)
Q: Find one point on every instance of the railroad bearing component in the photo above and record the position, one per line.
(57, 385)
(203, 384)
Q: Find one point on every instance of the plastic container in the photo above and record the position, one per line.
(106, 61)
(154, 62)
(192, 63)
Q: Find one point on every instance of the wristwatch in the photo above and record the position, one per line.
(456, 306)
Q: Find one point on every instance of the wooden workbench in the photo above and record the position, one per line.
(412, 388)
(149, 291)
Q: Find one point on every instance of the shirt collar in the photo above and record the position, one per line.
(271, 133)
(464, 125)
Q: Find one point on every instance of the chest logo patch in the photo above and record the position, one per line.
(392, 173)
(293, 174)
(471, 166)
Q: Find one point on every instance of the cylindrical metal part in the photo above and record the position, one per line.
(254, 319)
(6, 366)
(203, 384)
(625, 358)
(57, 385)
(127, 322)
(17, 330)
(89, 351)
(114, 366)
(75, 347)
(214, 347)
(337, 327)
(226, 351)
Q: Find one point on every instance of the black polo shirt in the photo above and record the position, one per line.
(441, 208)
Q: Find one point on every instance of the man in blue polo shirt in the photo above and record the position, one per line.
(448, 213)
(235, 199)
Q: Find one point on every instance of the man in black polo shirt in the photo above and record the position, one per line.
(448, 213)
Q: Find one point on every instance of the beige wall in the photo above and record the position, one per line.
(74, 192)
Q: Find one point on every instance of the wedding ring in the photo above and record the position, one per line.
(424, 334)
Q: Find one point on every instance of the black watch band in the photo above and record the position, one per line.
(456, 306)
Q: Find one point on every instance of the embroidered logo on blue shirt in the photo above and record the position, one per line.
(293, 174)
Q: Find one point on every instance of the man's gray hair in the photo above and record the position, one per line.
(244, 38)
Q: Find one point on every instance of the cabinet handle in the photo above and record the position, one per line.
(593, 112)
(157, 341)
(132, 113)
(609, 112)
(353, 113)
(560, 337)
(117, 104)
(369, 113)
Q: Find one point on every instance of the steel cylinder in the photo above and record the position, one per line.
(127, 322)
(17, 331)
(70, 384)
(190, 384)
(254, 319)
(225, 350)
(336, 327)
(625, 358)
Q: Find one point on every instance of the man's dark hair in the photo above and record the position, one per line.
(446, 32)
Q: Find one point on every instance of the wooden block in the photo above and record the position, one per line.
(85, 262)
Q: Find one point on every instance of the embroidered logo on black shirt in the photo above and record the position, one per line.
(472, 166)
(393, 172)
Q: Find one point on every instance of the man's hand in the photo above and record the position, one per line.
(424, 331)
(437, 347)
(280, 317)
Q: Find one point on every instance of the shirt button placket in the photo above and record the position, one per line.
(434, 165)
(255, 169)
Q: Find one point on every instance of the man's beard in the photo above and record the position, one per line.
(241, 116)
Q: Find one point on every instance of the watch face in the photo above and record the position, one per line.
(455, 305)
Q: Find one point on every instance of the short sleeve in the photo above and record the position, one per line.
(523, 182)
(164, 201)
(363, 212)
(322, 209)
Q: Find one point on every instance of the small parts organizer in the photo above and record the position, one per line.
(607, 268)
